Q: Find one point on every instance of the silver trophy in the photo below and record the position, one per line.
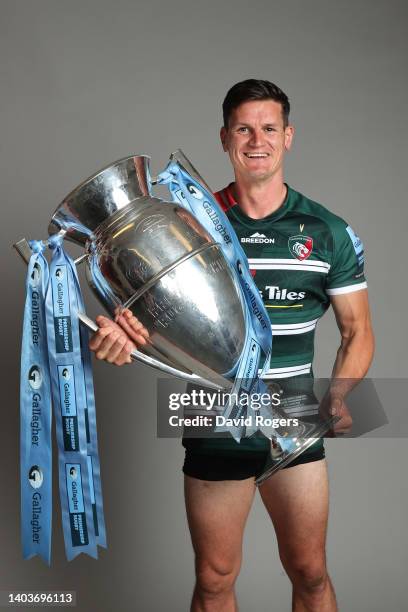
(155, 258)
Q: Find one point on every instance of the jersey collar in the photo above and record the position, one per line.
(236, 212)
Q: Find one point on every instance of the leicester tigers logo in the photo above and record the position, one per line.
(300, 246)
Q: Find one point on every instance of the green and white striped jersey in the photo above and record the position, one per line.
(299, 256)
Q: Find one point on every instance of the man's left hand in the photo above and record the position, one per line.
(335, 406)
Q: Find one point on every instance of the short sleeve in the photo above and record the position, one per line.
(346, 273)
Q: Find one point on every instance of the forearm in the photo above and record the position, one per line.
(353, 360)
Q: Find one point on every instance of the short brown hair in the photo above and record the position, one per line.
(254, 89)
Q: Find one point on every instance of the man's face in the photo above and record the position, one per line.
(256, 139)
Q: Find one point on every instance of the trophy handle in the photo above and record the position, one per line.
(152, 362)
(23, 249)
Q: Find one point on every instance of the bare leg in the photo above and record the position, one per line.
(297, 501)
(217, 512)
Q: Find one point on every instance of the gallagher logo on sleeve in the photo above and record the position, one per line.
(300, 247)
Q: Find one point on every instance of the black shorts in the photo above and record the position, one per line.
(224, 466)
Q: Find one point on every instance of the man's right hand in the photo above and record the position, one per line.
(115, 340)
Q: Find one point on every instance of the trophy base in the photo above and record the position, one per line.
(278, 460)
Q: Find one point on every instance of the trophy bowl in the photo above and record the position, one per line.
(156, 259)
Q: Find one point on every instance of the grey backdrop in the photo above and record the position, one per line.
(86, 82)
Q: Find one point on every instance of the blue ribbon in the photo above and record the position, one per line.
(94, 469)
(193, 196)
(58, 365)
(71, 391)
(35, 415)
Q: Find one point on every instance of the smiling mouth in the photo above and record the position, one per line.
(256, 155)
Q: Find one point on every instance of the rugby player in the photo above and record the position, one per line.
(304, 259)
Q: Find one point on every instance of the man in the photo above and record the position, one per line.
(303, 258)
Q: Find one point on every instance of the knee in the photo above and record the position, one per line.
(308, 575)
(213, 579)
